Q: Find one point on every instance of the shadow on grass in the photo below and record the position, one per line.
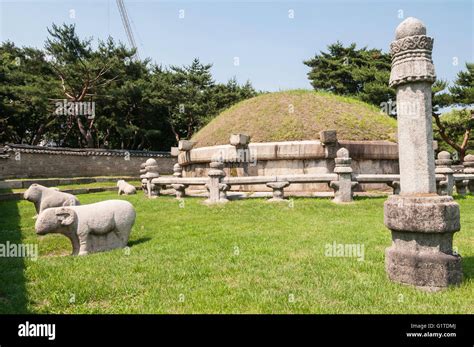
(378, 197)
(13, 296)
(468, 267)
(137, 242)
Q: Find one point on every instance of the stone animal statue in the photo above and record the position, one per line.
(44, 197)
(125, 188)
(98, 227)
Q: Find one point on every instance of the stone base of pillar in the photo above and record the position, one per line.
(422, 241)
(278, 194)
(180, 190)
(461, 187)
(215, 202)
(424, 270)
(223, 189)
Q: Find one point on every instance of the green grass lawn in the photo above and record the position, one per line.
(248, 256)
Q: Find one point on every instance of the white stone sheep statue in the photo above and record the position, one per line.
(125, 188)
(97, 227)
(44, 197)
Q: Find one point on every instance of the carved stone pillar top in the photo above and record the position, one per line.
(152, 170)
(411, 54)
(343, 161)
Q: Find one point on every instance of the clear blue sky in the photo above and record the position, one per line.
(269, 44)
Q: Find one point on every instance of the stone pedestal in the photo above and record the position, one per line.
(278, 193)
(421, 222)
(422, 241)
(217, 189)
(461, 187)
(179, 189)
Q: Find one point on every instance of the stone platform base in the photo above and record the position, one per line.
(422, 235)
(425, 270)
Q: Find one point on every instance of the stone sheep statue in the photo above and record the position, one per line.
(98, 227)
(125, 188)
(44, 197)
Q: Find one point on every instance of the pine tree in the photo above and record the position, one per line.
(362, 73)
(455, 127)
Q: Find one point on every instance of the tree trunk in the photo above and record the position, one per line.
(176, 135)
(464, 145)
(37, 137)
(86, 134)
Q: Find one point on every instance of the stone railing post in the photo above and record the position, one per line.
(278, 194)
(179, 188)
(443, 167)
(469, 169)
(143, 178)
(344, 185)
(421, 222)
(461, 186)
(152, 172)
(217, 189)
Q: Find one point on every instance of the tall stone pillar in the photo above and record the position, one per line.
(422, 223)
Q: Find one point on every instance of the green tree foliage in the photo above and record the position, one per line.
(463, 88)
(27, 81)
(454, 125)
(138, 105)
(193, 98)
(454, 128)
(363, 73)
